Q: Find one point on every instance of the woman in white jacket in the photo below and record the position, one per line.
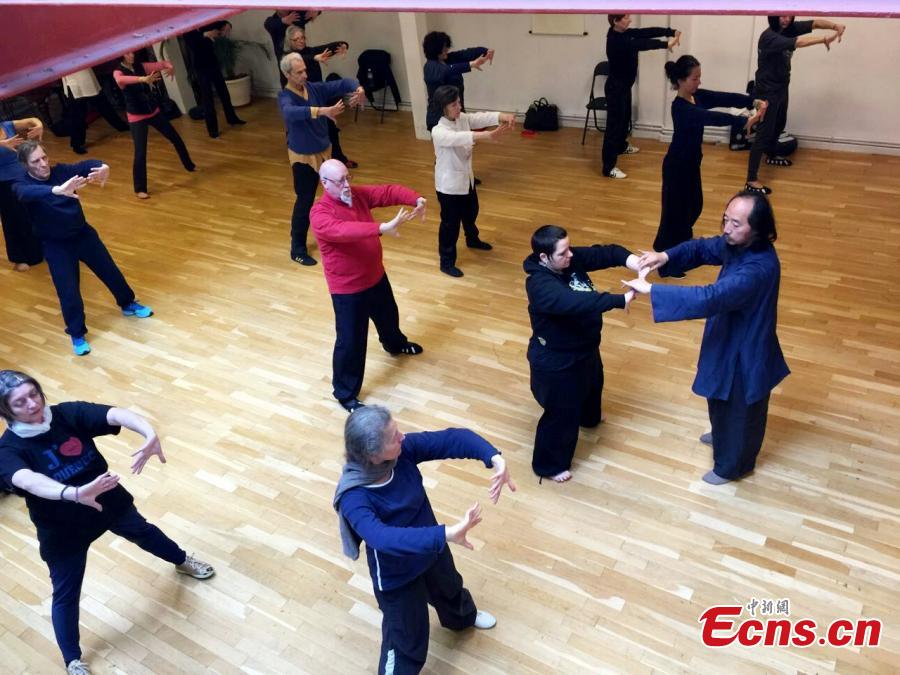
(453, 137)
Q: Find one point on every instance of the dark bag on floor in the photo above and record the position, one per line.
(542, 116)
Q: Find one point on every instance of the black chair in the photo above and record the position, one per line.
(375, 73)
(595, 103)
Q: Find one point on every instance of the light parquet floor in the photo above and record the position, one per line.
(608, 573)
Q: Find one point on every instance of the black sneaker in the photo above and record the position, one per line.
(452, 271)
(304, 259)
(80, 150)
(477, 181)
(352, 404)
(410, 349)
(479, 245)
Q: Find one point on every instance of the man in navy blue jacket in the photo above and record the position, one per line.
(566, 315)
(51, 197)
(380, 499)
(740, 357)
(304, 109)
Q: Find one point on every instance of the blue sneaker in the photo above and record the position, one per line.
(80, 346)
(137, 309)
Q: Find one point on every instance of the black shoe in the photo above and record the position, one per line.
(410, 349)
(352, 404)
(676, 275)
(477, 181)
(764, 190)
(80, 150)
(304, 259)
(452, 271)
(237, 121)
(479, 245)
(215, 135)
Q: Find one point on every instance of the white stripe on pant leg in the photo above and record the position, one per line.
(389, 663)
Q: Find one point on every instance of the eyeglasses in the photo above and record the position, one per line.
(346, 179)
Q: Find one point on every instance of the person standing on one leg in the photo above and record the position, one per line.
(304, 109)
(564, 350)
(51, 197)
(48, 455)
(740, 357)
(623, 44)
(682, 191)
(23, 248)
(134, 79)
(454, 136)
(773, 76)
(381, 501)
(83, 90)
(208, 72)
(350, 242)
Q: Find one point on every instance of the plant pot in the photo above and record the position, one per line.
(239, 90)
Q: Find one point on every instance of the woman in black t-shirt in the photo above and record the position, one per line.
(48, 455)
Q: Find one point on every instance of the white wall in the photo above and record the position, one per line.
(848, 97)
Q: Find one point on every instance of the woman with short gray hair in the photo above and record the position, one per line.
(380, 499)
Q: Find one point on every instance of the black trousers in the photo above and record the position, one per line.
(77, 114)
(306, 182)
(738, 430)
(64, 257)
(618, 122)
(768, 131)
(22, 246)
(139, 132)
(334, 136)
(206, 82)
(352, 312)
(67, 575)
(570, 398)
(682, 202)
(404, 623)
(456, 209)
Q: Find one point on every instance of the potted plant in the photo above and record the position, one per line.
(227, 51)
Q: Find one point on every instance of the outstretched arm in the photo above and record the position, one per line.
(46, 488)
(129, 419)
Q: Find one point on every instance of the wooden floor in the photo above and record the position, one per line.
(608, 573)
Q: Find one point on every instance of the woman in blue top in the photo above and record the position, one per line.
(380, 499)
(682, 192)
(23, 248)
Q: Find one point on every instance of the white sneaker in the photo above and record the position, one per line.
(195, 568)
(617, 173)
(485, 620)
(631, 150)
(78, 667)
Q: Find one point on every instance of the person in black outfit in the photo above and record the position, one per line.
(773, 75)
(313, 57)
(622, 47)
(23, 248)
(208, 73)
(443, 67)
(134, 79)
(682, 191)
(83, 90)
(48, 455)
(564, 349)
(277, 24)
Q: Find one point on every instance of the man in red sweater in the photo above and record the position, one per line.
(350, 245)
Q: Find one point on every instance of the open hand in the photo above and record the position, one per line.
(457, 533)
(290, 18)
(652, 260)
(358, 98)
(500, 478)
(35, 133)
(142, 455)
(331, 112)
(99, 175)
(322, 57)
(640, 285)
(70, 187)
(87, 494)
(419, 211)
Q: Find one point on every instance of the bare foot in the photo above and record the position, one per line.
(142, 195)
(21, 267)
(562, 476)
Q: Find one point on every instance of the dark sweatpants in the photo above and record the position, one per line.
(306, 182)
(22, 246)
(206, 81)
(768, 131)
(570, 398)
(456, 209)
(738, 430)
(404, 624)
(618, 122)
(77, 114)
(67, 575)
(682, 202)
(139, 136)
(352, 312)
(64, 257)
